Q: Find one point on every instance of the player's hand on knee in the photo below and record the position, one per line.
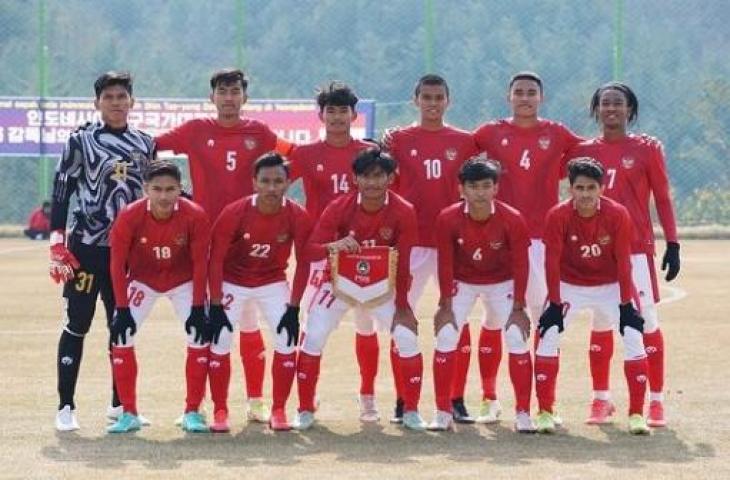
(551, 317)
(518, 317)
(63, 262)
(444, 316)
(629, 317)
(386, 141)
(218, 321)
(670, 262)
(290, 322)
(197, 321)
(404, 316)
(122, 322)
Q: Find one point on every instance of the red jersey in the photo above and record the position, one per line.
(394, 225)
(220, 158)
(635, 169)
(482, 252)
(251, 249)
(588, 250)
(162, 254)
(532, 162)
(326, 171)
(39, 221)
(428, 168)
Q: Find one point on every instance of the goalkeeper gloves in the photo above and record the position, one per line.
(63, 262)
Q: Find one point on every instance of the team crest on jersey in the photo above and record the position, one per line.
(604, 240)
(181, 240)
(544, 142)
(573, 238)
(137, 156)
(504, 142)
(628, 162)
(496, 244)
(282, 237)
(143, 240)
(386, 233)
(249, 143)
(451, 154)
(363, 267)
(246, 235)
(211, 142)
(320, 167)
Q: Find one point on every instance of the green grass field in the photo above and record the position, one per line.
(696, 444)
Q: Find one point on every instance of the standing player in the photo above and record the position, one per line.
(635, 170)
(221, 153)
(159, 248)
(588, 266)
(371, 216)
(251, 244)
(531, 151)
(103, 166)
(325, 167)
(429, 156)
(482, 252)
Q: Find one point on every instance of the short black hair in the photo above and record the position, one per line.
(270, 159)
(431, 79)
(587, 167)
(526, 75)
(336, 94)
(111, 78)
(227, 76)
(46, 203)
(479, 168)
(371, 158)
(159, 168)
(631, 100)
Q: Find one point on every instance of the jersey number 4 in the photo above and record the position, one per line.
(525, 159)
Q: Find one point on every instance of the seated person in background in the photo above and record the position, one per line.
(39, 222)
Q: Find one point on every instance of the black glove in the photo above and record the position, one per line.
(551, 317)
(671, 260)
(218, 321)
(290, 322)
(197, 321)
(629, 317)
(122, 322)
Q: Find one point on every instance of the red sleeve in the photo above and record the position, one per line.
(175, 139)
(199, 253)
(481, 138)
(445, 255)
(324, 233)
(303, 228)
(570, 140)
(295, 164)
(222, 235)
(659, 182)
(406, 239)
(120, 239)
(553, 238)
(519, 243)
(622, 252)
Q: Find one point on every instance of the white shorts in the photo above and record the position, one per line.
(497, 299)
(645, 281)
(237, 301)
(424, 266)
(142, 298)
(536, 293)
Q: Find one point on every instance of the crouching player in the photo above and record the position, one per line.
(251, 244)
(159, 247)
(482, 252)
(371, 216)
(588, 266)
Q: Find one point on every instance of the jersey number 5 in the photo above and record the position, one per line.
(231, 160)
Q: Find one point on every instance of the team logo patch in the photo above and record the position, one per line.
(143, 240)
(282, 237)
(451, 154)
(386, 233)
(544, 142)
(181, 240)
(363, 267)
(211, 142)
(137, 156)
(604, 240)
(246, 235)
(496, 244)
(249, 143)
(460, 241)
(573, 238)
(504, 142)
(320, 167)
(414, 153)
(628, 162)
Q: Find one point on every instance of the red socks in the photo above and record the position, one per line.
(520, 372)
(283, 368)
(546, 374)
(307, 376)
(490, 354)
(411, 369)
(599, 354)
(654, 346)
(124, 367)
(395, 367)
(219, 374)
(636, 377)
(461, 363)
(443, 377)
(367, 351)
(253, 357)
(196, 372)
